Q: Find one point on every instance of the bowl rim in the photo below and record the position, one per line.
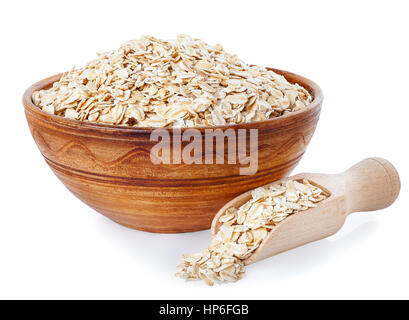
(308, 84)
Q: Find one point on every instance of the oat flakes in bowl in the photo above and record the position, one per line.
(107, 165)
(178, 83)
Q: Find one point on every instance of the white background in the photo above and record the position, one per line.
(54, 246)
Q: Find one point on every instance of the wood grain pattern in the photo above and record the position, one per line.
(109, 168)
(371, 184)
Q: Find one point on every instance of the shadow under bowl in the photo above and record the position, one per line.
(109, 167)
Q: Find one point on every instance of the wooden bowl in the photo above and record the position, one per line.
(109, 168)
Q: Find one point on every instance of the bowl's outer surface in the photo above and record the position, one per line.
(109, 167)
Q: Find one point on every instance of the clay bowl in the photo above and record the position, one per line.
(109, 167)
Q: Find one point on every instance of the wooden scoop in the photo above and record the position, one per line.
(371, 184)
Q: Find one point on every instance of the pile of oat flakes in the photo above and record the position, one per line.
(178, 83)
(242, 230)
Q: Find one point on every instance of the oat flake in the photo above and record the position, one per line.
(242, 230)
(177, 83)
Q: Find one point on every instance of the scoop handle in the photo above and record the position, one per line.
(371, 184)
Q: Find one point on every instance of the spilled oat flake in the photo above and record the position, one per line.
(242, 231)
(178, 83)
